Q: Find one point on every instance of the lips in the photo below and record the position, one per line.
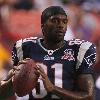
(60, 32)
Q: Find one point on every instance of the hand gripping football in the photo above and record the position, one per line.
(25, 78)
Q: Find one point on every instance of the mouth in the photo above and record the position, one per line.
(60, 32)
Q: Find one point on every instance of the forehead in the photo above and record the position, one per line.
(59, 16)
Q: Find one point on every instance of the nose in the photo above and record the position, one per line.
(60, 26)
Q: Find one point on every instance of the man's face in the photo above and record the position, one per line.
(55, 27)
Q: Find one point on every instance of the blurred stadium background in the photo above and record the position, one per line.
(21, 19)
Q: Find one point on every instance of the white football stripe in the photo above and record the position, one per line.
(19, 49)
(82, 50)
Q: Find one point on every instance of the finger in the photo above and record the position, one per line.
(42, 74)
(15, 68)
(27, 59)
(41, 78)
(10, 75)
(36, 72)
(40, 68)
(36, 67)
(12, 79)
(22, 62)
(2, 82)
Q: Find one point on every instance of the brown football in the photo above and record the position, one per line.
(25, 78)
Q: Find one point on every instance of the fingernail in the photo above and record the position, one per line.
(27, 58)
(38, 70)
(37, 65)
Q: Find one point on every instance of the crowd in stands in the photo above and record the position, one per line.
(21, 19)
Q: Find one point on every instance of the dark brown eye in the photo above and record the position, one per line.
(65, 21)
(54, 20)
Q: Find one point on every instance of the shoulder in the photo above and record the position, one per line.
(21, 48)
(86, 53)
(83, 49)
(76, 42)
(26, 41)
(82, 44)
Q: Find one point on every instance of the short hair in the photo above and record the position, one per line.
(51, 11)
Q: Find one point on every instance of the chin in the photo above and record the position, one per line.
(59, 39)
(56, 38)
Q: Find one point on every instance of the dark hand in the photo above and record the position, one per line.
(11, 73)
(47, 84)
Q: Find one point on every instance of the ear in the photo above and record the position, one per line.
(42, 25)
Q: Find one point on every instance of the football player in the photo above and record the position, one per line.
(65, 67)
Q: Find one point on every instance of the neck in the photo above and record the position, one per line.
(52, 46)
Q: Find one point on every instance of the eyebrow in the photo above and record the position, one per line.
(56, 17)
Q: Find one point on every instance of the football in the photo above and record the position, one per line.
(25, 78)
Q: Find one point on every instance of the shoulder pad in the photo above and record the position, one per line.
(19, 49)
(82, 50)
(75, 41)
(19, 43)
(32, 39)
